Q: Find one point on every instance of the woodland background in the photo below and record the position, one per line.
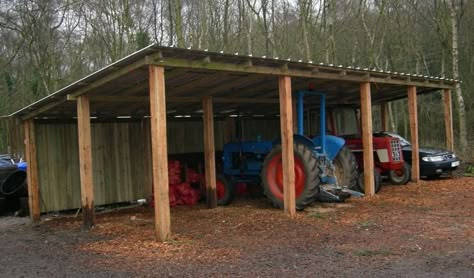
(47, 44)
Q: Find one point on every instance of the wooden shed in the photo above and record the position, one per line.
(106, 137)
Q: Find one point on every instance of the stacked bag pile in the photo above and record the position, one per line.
(181, 193)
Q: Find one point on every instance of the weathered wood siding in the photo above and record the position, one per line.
(12, 137)
(188, 136)
(267, 129)
(120, 157)
(119, 160)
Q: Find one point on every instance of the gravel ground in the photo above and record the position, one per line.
(424, 230)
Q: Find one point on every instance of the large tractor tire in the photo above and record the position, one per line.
(377, 182)
(346, 169)
(307, 177)
(400, 177)
(224, 191)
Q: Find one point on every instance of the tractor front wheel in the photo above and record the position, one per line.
(400, 177)
(377, 182)
(345, 166)
(307, 177)
(224, 191)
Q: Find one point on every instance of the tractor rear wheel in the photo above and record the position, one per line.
(346, 168)
(400, 177)
(224, 191)
(307, 177)
(377, 182)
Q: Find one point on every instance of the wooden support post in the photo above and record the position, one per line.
(85, 161)
(159, 150)
(32, 170)
(413, 117)
(295, 116)
(384, 116)
(209, 152)
(230, 129)
(366, 119)
(448, 119)
(286, 125)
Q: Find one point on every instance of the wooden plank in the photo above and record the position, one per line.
(148, 169)
(286, 126)
(351, 75)
(366, 119)
(117, 73)
(448, 119)
(204, 80)
(384, 116)
(159, 148)
(413, 117)
(144, 99)
(85, 161)
(229, 127)
(295, 117)
(209, 152)
(32, 170)
(121, 173)
(46, 107)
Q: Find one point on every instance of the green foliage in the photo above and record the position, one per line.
(469, 170)
(142, 39)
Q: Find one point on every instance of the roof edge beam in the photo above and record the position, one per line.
(351, 76)
(115, 99)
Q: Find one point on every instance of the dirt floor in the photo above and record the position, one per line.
(424, 230)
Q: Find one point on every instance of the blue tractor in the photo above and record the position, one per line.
(325, 169)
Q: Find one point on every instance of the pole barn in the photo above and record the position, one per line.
(105, 138)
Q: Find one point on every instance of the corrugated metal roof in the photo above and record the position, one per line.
(171, 53)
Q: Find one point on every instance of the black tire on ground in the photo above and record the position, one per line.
(306, 170)
(15, 185)
(400, 177)
(377, 182)
(346, 169)
(228, 191)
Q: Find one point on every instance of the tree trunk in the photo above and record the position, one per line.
(459, 96)
(179, 23)
(303, 16)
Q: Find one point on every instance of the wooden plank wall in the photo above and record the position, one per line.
(188, 136)
(120, 155)
(13, 136)
(268, 129)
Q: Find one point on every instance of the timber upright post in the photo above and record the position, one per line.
(366, 118)
(32, 170)
(413, 117)
(85, 161)
(448, 119)
(288, 164)
(383, 116)
(209, 152)
(159, 151)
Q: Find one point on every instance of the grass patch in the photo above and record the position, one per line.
(371, 253)
(318, 215)
(367, 224)
(422, 208)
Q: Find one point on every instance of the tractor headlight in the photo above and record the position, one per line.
(433, 158)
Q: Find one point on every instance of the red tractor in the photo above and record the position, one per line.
(388, 155)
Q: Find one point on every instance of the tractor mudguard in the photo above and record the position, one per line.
(301, 139)
(333, 145)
